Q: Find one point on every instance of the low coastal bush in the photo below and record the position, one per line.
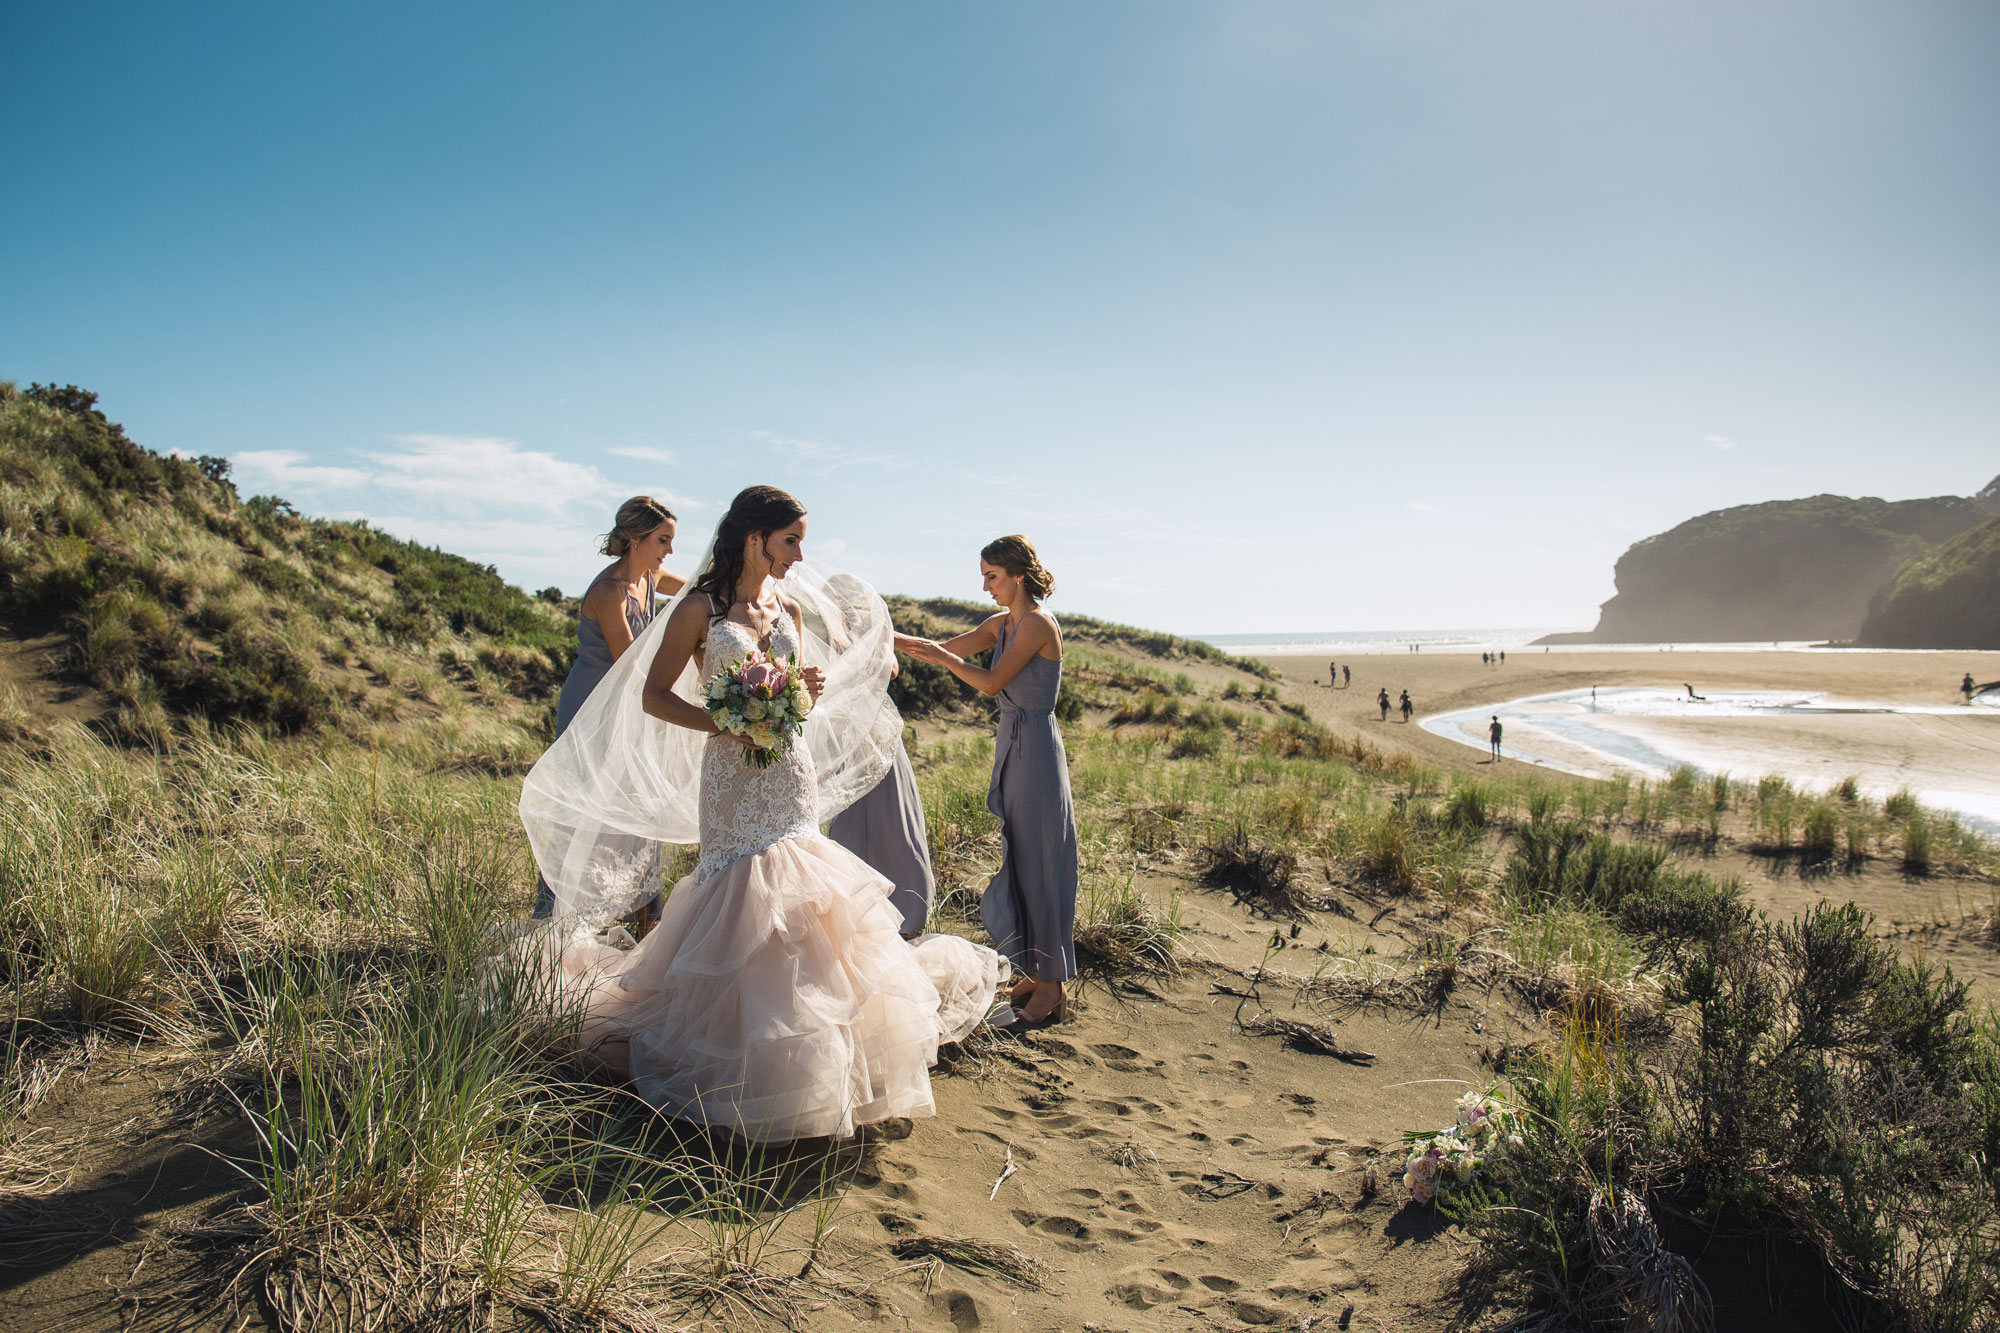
(1810, 1081)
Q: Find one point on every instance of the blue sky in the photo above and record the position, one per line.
(1255, 316)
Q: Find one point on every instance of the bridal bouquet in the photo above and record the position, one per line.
(759, 697)
(1487, 1127)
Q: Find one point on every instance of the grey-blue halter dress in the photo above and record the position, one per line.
(593, 663)
(1030, 907)
(885, 828)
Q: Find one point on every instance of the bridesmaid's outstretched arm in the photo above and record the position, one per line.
(1036, 633)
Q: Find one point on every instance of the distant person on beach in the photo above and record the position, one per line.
(1503, 657)
(1407, 707)
(1966, 687)
(1493, 734)
(1346, 676)
(1698, 698)
(1333, 675)
(1382, 699)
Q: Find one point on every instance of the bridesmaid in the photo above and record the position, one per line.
(617, 607)
(886, 829)
(1030, 907)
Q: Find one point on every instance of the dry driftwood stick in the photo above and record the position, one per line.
(1001, 1179)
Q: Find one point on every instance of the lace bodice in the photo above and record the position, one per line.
(744, 808)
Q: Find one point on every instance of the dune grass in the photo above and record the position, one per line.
(181, 600)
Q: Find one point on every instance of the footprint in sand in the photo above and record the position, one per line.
(960, 1306)
(1025, 1154)
(1256, 1312)
(1112, 1051)
(1142, 1289)
(1056, 1046)
(1001, 1112)
(1078, 1234)
(1140, 1294)
(1217, 1282)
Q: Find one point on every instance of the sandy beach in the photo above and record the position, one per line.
(1816, 716)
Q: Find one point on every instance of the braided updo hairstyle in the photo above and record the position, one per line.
(636, 517)
(1016, 555)
(755, 509)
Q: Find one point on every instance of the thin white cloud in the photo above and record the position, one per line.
(821, 455)
(476, 474)
(645, 453)
(289, 470)
(1722, 442)
(1121, 583)
(1421, 507)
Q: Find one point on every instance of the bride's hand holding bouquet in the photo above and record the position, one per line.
(762, 704)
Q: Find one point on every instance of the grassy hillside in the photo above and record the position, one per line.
(1946, 598)
(1789, 569)
(189, 606)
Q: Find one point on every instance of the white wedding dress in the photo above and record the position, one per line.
(776, 997)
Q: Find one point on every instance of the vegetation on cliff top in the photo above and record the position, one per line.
(1948, 597)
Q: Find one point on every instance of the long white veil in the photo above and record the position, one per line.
(619, 783)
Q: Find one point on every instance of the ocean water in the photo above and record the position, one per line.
(1358, 643)
(1365, 643)
(1949, 755)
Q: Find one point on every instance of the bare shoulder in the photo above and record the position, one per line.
(1044, 625)
(692, 610)
(602, 599)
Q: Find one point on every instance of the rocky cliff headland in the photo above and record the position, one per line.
(1804, 569)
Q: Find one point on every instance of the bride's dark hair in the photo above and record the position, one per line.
(755, 509)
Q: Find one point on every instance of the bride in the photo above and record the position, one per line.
(776, 997)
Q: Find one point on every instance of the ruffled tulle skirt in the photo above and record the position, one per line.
(777, 997)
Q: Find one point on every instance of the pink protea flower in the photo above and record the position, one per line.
(764, 679)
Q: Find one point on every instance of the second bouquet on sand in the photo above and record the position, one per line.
(763, 699)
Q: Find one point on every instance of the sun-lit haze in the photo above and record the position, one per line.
(1255, 317)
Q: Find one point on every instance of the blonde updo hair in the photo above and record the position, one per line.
(1016, 555)
(636, 517)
